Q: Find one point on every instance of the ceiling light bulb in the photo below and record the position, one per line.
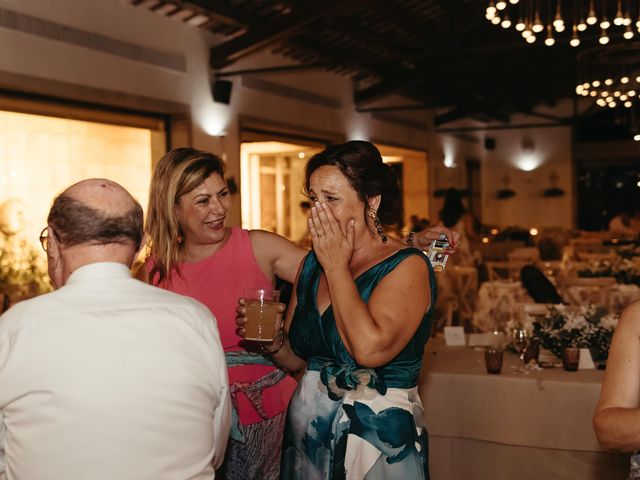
(624, 79)
(595, 83)
(489, 16)
(627, 21)
(549, 41)
(537, 24)
(628, 33)
(619, 20)
(631, 93)
(601, 102)
(604, 39)
(526, 33)
(559, 28)
(491, 7)
(514, 2)
(582, 26)
(531, 38)
(617, 93)
(506, 22)
(628, 104)
(501, 5)
(636, 137)
(609, 99)
(612, 104)
(558, 21)
(520, 26)
(604, 23)
(623, 98)
(638, 79)
(591, 17)
(575, 41)
(579, 89)
(608, 81)
(593, 93)
(496, 20)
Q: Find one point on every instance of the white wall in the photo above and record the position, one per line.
(529, 171)
(39, 62)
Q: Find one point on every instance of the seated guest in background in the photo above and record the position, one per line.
(617, 416)
(195, 252)
(620, 225)
(456, 217)
(357, 408)
(108, 377)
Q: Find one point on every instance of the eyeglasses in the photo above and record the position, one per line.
(44, 238)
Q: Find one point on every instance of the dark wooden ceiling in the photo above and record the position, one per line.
(439, 54)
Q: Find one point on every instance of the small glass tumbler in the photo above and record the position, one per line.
(493, 360)
(570, 359)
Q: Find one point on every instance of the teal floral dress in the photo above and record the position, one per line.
(346, 421)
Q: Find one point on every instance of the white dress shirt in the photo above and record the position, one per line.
(111, 378)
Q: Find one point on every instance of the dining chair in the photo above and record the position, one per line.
(609, 256)
(465, 280)
(524, 254)
(501, 270)
(588, 291)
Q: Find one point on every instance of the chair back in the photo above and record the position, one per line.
(524, 254)
(588, 291)
(509, 270)
(465, 280)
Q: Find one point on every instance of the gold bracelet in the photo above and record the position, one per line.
(264, 350)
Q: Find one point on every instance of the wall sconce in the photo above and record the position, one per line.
(554, 191)
(506, 192)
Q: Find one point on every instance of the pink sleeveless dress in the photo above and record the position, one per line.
(217, 282)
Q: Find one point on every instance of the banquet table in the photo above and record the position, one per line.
(527, 426)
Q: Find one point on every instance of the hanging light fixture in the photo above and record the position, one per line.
(610, 77)
(579, 18)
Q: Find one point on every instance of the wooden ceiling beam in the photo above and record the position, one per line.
(279, 29)
(222, 12)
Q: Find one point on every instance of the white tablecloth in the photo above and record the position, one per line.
(506, 426)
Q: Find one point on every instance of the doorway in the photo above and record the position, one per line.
(272, 175)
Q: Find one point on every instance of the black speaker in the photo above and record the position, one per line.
(222, 91)
(489, 143)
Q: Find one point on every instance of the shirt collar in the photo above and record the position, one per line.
(99, 271)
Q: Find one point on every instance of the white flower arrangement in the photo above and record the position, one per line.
(582, 327)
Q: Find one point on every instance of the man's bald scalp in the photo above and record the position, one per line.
(96, 212)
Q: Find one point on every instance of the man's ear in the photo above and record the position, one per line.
(54, 261)
(136, 255)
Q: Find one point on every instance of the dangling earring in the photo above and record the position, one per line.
(179, 239)
(378, 225)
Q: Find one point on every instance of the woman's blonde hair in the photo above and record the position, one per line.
(178, 172)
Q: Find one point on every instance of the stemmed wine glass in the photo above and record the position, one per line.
(520, 339)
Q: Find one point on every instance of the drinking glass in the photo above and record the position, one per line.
(520, 340)
(262, 313)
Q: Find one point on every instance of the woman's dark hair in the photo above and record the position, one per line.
(452, 209)
(361, 163)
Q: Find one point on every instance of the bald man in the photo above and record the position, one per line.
(108, 377)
